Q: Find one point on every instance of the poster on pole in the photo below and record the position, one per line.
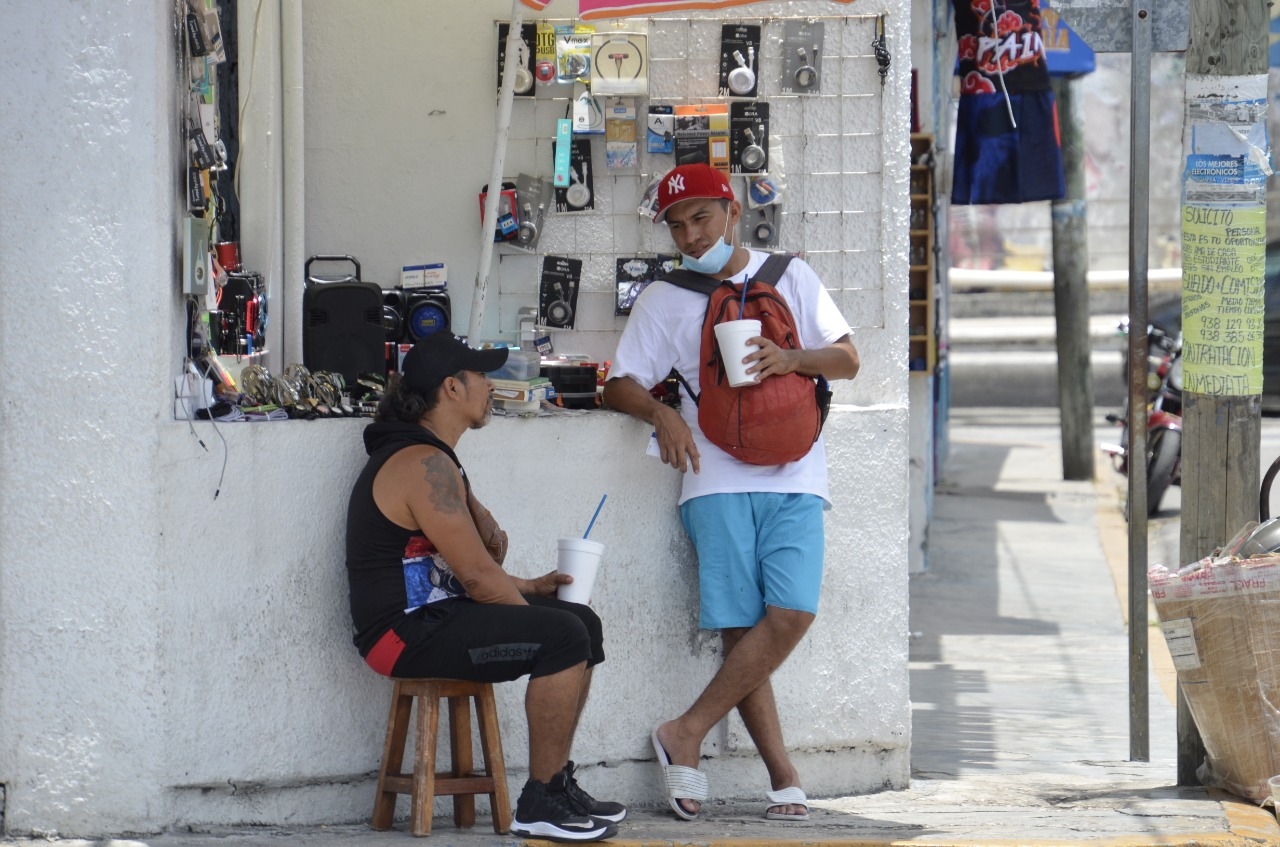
(1224, 228)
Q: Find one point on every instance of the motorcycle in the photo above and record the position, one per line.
(1164, 416)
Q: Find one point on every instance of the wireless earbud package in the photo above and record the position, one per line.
(801, 57)
(739, 55)
(749, 136)
(558, 291)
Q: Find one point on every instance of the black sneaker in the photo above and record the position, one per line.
(606, 810)
(546, 810)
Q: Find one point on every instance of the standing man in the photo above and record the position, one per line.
(429, 597)
(757, 530)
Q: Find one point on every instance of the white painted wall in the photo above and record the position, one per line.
(169, 658)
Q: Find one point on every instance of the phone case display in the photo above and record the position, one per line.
(739, 49)
(619, 64)
(801, 57)
(558, 291)
(702, 135)
(578, 195)
(749, 136)
(523, 59)
(634, 275)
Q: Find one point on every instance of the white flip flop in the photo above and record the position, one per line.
(681, 783)
(792, 796)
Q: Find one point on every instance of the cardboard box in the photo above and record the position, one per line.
(1221, 620)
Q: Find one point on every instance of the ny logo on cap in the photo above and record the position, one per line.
(676, 184)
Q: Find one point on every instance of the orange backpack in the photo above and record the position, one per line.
(777, 420)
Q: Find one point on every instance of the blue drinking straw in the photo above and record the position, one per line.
(746, 283)
(593, 517)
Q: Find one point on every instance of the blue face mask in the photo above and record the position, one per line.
(712, 261)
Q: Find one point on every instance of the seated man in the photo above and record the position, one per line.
(429, 597)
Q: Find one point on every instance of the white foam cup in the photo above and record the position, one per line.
(732, 337)
(1274, 784)
(580, 559)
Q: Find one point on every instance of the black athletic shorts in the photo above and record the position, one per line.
(490, 642)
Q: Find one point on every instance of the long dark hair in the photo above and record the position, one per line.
(398, 403)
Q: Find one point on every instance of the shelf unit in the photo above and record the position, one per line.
(922, 320)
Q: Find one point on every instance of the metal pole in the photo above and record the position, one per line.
(1071, 291)
(506, 97)
(1139, 185)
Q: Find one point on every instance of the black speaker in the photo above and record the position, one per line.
(395, 314)
(342, 326)
(427, 311)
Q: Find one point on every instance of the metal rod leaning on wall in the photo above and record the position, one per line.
(1136, 450)
(506, 96)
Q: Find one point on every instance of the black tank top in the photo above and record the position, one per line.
(391, 570)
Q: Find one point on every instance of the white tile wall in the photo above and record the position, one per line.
(825, 149)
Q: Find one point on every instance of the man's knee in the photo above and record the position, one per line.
(790, 624)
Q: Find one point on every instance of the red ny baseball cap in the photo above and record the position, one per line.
(690, 182)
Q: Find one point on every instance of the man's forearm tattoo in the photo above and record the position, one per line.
(446, 495)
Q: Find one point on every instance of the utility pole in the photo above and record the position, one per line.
(1223, 252)
(1071, 292)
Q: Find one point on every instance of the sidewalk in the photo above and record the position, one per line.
(1019, 684)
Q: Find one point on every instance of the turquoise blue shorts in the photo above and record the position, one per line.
(755, 550)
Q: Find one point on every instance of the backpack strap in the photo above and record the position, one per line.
(773, 268)
(691, 281)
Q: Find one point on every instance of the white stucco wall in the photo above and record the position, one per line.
(170, 658)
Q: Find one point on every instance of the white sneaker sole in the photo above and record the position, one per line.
(555, 832)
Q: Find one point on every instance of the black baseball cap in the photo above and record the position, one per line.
(442, 354)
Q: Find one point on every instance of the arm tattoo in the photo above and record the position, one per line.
(443, 482)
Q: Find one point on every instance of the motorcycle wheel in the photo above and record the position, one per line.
(1165, 448)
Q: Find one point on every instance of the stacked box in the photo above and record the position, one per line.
(1221, 620)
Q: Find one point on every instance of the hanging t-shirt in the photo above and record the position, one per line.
(1007, 145)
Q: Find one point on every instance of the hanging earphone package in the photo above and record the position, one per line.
(620, 62)
(558, 291)
(767, 189)
(802, 51)
(748, 136)
(523, 60)
(739, 54)
(573, 52)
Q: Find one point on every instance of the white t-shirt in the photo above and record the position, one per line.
(665, 331)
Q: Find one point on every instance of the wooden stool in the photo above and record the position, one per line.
(423, 784)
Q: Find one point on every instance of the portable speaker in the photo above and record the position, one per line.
(427, 311)
(342, 326)
(394, 314)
